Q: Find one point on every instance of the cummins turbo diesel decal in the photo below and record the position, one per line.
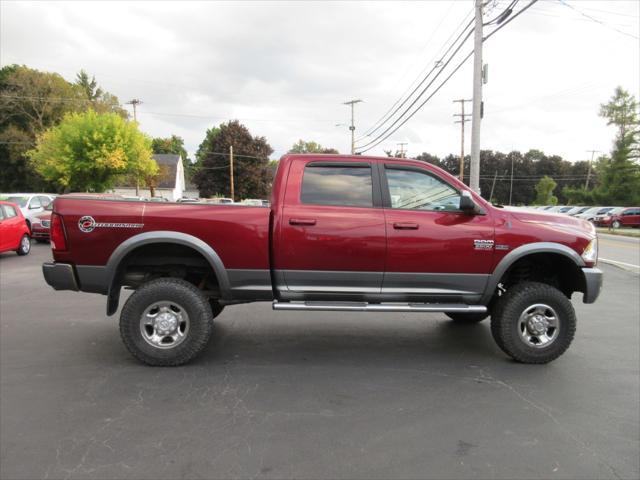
(87, 224)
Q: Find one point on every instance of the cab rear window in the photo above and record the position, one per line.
(337, 185)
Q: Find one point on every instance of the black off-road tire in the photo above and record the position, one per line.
(174, 290)
(25, 245)
(467, 317)
(506, 315)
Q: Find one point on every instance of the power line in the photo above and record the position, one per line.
(563, 2)
(385, 117)
(390, 130)
(364, 148)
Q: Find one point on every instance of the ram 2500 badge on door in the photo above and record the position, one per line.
(343, 233)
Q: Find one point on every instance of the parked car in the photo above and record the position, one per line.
(14, 233)
(254, 202)
(30, 204)
(343, 234)
(626, 217)
(158, 199)
(219, 200)
(565, 210)
(41, 224)
(188, 200)
(591, 213)
(610, 211)
(577, 210)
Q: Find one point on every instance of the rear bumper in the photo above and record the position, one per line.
(593, 284)
(60, 276)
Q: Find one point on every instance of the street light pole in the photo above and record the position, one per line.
(352, 127)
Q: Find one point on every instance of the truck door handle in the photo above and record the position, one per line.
(405, 226)
(302, 221)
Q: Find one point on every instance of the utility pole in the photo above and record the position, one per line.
(463, 119)
(135, 102)
(593, 152)
(474, 180)
(352, 127)
(402, 144)
(233, 199)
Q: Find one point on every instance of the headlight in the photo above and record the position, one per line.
(590, 254)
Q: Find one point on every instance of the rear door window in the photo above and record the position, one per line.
(9, 211)
(337, 185)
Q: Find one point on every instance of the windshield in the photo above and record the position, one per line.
(21, 201)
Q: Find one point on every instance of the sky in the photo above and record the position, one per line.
(284, 69)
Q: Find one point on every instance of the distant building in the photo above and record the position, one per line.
(170, 183)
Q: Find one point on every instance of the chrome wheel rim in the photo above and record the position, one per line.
(164, 324)
(25, 244)
(538, 325)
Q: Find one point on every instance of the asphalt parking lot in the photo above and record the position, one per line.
(313, 395)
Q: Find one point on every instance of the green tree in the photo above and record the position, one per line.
(544, 190)
(88, 151)
(173, 144)
(31, 102)
(619, 175)
(310, 147)
(251, 158)
(96, 98)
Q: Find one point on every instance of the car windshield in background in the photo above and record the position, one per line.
(20, 201)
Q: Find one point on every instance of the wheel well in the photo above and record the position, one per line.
(554, 269)
(157, 260)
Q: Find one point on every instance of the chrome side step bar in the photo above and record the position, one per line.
(379, 307)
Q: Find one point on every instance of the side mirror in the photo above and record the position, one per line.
(467, 205)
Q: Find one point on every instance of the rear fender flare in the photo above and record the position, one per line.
(149, 238)
(523, 251)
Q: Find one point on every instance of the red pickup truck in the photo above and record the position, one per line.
(343, 233)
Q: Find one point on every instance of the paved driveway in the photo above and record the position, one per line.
(312, 395)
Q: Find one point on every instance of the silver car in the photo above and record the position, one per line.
(31, 204)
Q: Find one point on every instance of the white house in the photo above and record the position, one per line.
(170, 184)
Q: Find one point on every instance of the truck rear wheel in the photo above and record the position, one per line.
(467, 317)
(166, 322)
(533, 322)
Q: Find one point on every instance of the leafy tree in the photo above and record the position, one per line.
(544, 189)
(30, 102)
(619, 175)
(310, 147)
(173, 144)
(96, 98)
(87, 151)
(251, 158)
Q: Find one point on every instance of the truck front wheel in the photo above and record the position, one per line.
(533, 322)
(166, 322)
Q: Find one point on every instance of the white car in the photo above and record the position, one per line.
(592, 213)
(31, 204)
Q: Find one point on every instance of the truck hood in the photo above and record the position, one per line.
(563, 222)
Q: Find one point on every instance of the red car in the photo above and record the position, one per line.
(629, 217)
(40, 225)
(14, 232)
(342, 234)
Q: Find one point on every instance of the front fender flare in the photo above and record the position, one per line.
(520, 252)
